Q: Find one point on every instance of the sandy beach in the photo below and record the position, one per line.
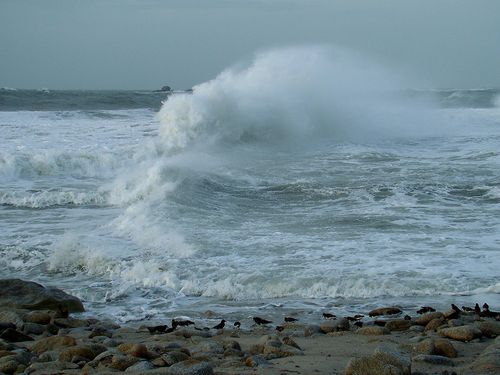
(42, 332)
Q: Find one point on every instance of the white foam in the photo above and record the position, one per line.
(47, 198)
(293, 94)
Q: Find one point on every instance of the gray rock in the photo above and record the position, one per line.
(455, 322)
(191, 367)
(87, 352)
(490, 328)
(122, 362)
(434, 324)
(140, 366)
(33, 329)
(11, 317)
(16, 293)
(4, 345)
(311, 329)
(13, 335)
(22, 356)
(416, 328)
(49, 356)
(463, 333)
(372, 331)
(55, 367)
(232, 344)
(445, 348)
(434, 360)
(426, 346)
(257, 361)
(52, 343)
(426, 318)
(290, 342)
(8, 367)
(111, 343)
(38, 317)
(173, 357)
(212, 347)
(334, 325)
(398, 325)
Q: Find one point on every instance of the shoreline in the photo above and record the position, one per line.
(51, 336)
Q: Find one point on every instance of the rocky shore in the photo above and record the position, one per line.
(42, 333)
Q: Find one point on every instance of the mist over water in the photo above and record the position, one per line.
(308, 178)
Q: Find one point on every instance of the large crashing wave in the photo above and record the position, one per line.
(294, 96)
(289, 94)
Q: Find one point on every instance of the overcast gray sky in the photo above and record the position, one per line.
(134, 44)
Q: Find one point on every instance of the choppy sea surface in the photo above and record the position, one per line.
(275, 187)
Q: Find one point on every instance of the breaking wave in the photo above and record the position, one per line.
(293, 95)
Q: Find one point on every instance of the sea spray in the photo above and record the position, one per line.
(294, 95)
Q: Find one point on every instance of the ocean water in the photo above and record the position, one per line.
(306, 180)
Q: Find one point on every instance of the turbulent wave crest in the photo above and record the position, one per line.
(51, 198)
(292, 95)
(50, 163)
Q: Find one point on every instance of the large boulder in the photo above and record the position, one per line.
(20, 294)
(463, 333)
(426, 318)
(52, 343)
(490, 328)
